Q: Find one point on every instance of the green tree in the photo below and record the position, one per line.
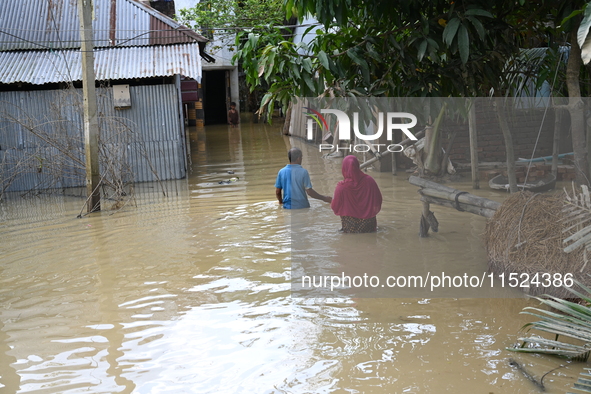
(421, 48)
(223, 18)
(568, 30)
(233, 14)
(416, 48)
(390, 48)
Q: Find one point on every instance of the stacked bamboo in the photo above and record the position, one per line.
(435, 193)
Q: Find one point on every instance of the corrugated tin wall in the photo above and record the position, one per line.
(146, 139)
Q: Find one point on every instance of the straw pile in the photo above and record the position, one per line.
(526, 235)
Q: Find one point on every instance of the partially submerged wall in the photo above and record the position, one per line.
(41, 137)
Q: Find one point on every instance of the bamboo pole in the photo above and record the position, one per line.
(415, 180)
(468, 199)
(487, 213)
(435, 193)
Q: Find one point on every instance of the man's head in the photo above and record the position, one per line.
(233, 105)
(295, 156)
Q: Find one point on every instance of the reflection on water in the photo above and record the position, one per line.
(190, 293)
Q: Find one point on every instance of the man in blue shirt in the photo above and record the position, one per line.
(293, 185)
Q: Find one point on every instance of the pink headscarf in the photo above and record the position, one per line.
(358, 194)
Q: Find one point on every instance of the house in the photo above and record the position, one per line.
(140, 56)
(219, 85)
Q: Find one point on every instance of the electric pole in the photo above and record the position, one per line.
(91, 131)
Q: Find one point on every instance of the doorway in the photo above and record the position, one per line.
(215, 102)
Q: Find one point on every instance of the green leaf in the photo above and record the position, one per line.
(295, 71)
(372, 52)
(450, 30)
(270, 64)
(362, 64)
(572, 15)
(323, 60)
(351, 53)
(253, 39)
(266, 98)
(337, 69)
(433, 43)
(289, 9)
(422, 50)
(308, 30)
(463, 43)
(261, 68)
(309, 82)
(478, 12)
(478, 26)
(307, 63)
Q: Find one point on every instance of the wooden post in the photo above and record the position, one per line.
(576, 108)
(556, 141)
(473, 146)
(424, 224)
(91, 130)
(502, 118)
(426, 147)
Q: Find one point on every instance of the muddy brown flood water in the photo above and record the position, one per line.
(191, 293)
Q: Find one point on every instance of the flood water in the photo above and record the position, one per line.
(191, 293)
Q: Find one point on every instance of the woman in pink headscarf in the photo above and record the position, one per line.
(357, 199)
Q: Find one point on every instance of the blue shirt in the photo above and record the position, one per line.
(294, 179)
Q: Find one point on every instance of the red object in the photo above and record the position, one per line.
(189, 97)
(358, 194)
(189, 91)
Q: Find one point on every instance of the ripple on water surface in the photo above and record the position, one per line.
(191, 293)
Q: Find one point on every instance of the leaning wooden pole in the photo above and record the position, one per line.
(91, 130)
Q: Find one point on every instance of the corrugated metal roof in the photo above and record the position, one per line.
(51, 24)
(41, 67)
